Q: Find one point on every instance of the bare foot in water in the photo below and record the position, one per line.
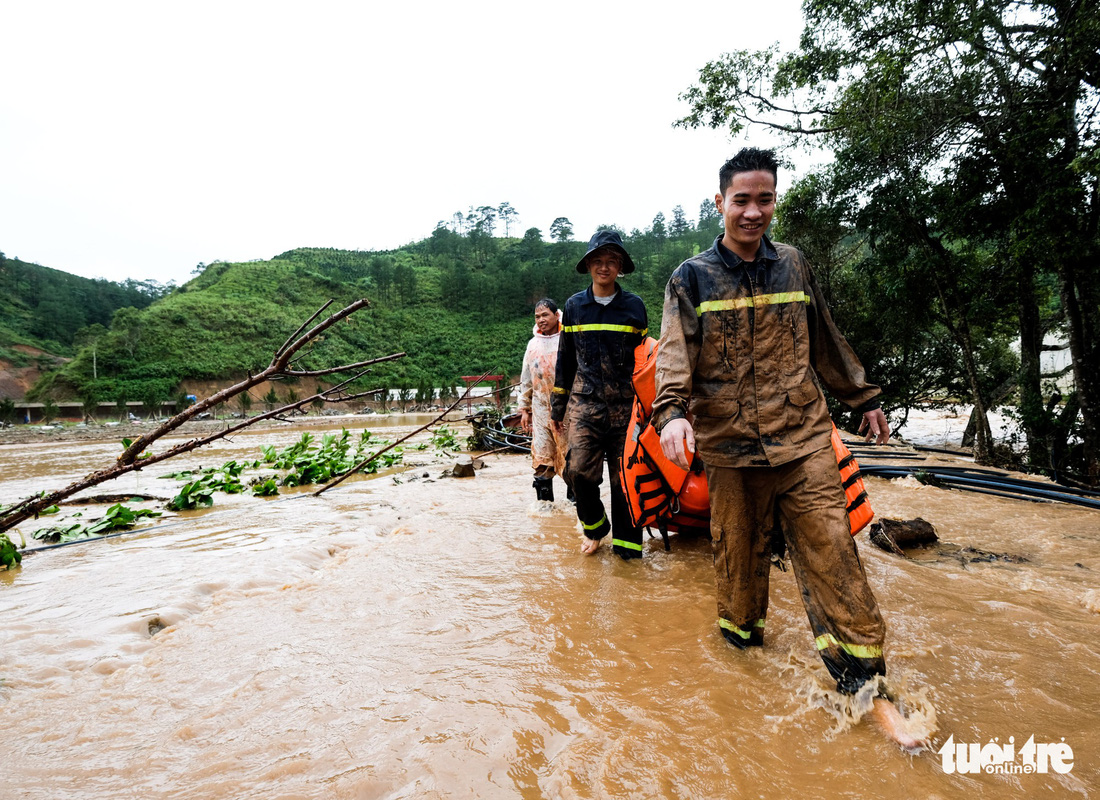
(589, 546)
(892, 723)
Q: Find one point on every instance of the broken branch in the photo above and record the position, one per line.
(131, 459)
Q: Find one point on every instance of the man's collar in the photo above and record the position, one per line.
(590, 296)
(765, 252)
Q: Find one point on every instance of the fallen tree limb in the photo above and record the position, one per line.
(135, 456)
(405, 438)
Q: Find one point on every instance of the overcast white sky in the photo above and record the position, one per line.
(138, 139)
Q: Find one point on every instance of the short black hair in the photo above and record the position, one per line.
(748, 159)
(550, 304)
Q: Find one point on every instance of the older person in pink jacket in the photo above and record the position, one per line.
(536, 384)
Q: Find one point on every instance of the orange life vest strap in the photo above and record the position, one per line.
(859, 508)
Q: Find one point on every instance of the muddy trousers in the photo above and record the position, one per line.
(592, 441)
(847, 627)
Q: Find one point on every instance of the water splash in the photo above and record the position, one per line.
(816, 689)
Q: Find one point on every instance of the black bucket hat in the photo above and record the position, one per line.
(610, 239)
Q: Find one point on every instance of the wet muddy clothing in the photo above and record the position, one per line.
(592, 441)
(593, 386)
(745, 346)
(536, 389)
(847, 627)
(596, 353)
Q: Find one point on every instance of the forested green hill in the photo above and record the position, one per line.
(45, 308)
(459, 303)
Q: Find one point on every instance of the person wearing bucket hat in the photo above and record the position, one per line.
(611, 241)
(601, 326)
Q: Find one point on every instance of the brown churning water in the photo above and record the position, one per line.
(445, 638)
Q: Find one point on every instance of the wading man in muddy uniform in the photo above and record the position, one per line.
(746, 343)
(536, 388)
(601, 326)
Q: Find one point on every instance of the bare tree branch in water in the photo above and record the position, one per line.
(281, 366)
(405, 438)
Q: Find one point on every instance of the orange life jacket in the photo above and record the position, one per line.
(661, 494)
(855, 496)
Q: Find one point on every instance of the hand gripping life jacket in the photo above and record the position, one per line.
(660, 494)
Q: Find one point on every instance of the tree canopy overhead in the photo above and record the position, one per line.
(964, 141)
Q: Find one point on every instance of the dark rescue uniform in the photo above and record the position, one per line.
(744, 345)
(593, 390)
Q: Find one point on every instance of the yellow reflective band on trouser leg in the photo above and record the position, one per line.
(729, 626)
(858, 650)
(594, 525)
(559, 390)
(627, 545)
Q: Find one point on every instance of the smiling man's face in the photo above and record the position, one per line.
(604, 265)
(747, 210)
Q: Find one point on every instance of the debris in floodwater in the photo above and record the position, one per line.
(972, 555)
(465, 467)
(893, 535)
(896, 536)
(114, 498)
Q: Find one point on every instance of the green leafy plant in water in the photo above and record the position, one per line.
(388, 459)
(199, 493)
(306, 462)
(268, 487)
(117, 518)
(62, 533)
(445, 440)
(10, 557)
(333, 456)
(120, 518)
(178, 476)
(196, 494)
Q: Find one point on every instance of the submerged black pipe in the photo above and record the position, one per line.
(1010, 487)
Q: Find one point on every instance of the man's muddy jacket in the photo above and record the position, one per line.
(744, 346)
(596, 354)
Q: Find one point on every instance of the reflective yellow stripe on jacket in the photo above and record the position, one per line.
(756, 301)
(858, 650)
(598, 327)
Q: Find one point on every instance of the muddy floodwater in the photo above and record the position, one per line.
(409, 635)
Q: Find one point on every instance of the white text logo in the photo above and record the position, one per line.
(993, 757)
